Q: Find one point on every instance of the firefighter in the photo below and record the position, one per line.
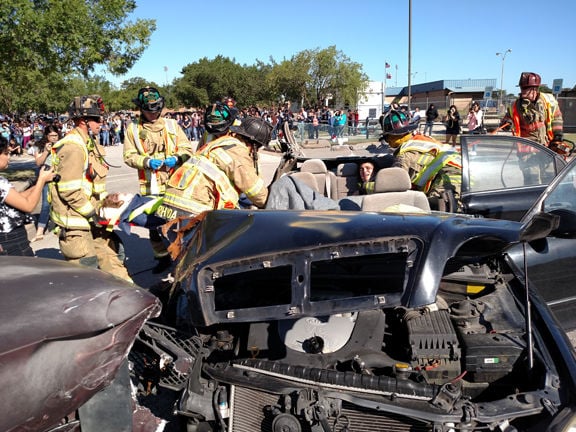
(79, 161)
(217, 120)
(155, 146)
(219, 172)
(434, 168)
(536, 116)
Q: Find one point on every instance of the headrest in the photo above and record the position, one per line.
(315, 166)
(348, 169)
(394, 179)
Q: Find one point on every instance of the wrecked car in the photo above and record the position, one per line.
(373, 318)
(66, 331)
(339, 320)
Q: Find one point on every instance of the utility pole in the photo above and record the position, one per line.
(500, 97)
(409, 53)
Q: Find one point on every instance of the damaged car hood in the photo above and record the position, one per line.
(232, 252)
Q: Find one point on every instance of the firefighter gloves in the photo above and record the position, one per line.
(171, 161)
(155, 163)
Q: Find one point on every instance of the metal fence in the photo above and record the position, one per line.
(307, 133)
(567, 106)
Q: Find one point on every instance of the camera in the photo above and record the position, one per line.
(56, 178)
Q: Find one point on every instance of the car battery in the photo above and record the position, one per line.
(490, 356)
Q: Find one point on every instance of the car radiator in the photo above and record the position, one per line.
(247, 414)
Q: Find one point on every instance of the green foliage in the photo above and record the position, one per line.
(207, 80)
(45, 43)
(309, 77)
(313, 77)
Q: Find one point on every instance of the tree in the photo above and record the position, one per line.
(206, 81)
(312, 76)
(43, 43)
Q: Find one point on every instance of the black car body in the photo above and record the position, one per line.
(338, 320)
(284, 320)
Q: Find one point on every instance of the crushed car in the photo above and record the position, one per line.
(357, 320)
(65, 334)
(373, 317)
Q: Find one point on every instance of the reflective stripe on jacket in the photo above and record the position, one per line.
(432, 157)
(214, 177)
(193, 174)
(82, 184)
(140, 153)
(552, 122)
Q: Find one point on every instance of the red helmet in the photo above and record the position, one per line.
(529, 79)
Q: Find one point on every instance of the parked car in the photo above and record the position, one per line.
(65, 332)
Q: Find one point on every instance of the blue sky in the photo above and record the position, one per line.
(450, 39)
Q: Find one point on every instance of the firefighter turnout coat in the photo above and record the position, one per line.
(214, 177)
(538, 121)
(158, 140)
(431, 165)
(82, 183)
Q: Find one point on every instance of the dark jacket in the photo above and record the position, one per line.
(431, 114)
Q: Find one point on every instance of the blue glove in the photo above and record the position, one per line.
(155, 163)
(171, 161)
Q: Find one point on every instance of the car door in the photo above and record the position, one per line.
(502, 176)
(552, 261)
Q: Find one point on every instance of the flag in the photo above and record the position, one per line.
(387, 65)
(388, 76)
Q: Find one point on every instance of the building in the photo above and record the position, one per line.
(443, 93)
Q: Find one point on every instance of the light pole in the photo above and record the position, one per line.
(503, 55)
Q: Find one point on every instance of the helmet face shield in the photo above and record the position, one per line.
(218, 118)
(149, 99)
(397, 123)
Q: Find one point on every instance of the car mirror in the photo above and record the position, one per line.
(566, 223)
(539, 226)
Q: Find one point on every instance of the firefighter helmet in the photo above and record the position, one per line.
(529, 79)
(149, 99)
(86, 106)
(218, 118)
(257, 130)
(397, 123)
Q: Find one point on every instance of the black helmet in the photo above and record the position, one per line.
(149, 99)
(86, 106)
(257, 130)
(397, 123)
(218, 118)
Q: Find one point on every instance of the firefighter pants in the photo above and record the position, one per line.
(448, 178)
(532, 167)
(97, 248)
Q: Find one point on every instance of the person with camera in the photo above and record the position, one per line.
(13, 208)
(431, 116)
(452, 125)
(43, 158)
